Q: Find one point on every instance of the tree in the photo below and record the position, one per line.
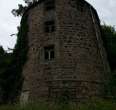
(21, 9)
(5, 61)
(30, 1)
(19, 12)
(109, 38)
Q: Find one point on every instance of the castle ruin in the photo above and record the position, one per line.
(66, 56)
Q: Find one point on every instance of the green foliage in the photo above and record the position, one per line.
(110, 87)
(21, 47)
(12, 78)
(19, 12)
(5, 61)
(96, 104)
(20, 57)
(21, 9)
(28, 2)
(109, 37)
(1, 50)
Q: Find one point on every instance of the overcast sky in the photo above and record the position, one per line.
(8, 23)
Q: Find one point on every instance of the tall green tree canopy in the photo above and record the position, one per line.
(109, 38)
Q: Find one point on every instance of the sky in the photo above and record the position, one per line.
(8, 23)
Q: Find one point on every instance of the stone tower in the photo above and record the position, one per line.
(66, 56)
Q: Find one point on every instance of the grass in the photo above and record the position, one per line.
(90, 105)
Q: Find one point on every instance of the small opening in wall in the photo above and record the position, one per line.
(49, 4)
(49, 53)
(49, 26)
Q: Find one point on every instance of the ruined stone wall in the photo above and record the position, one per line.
(80, 62)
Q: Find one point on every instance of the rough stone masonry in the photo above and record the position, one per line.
(66, 57)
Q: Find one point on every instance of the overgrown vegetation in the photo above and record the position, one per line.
(109, 37)
(21, 9)
(11, 77)
(96, 104)
(5, 61)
